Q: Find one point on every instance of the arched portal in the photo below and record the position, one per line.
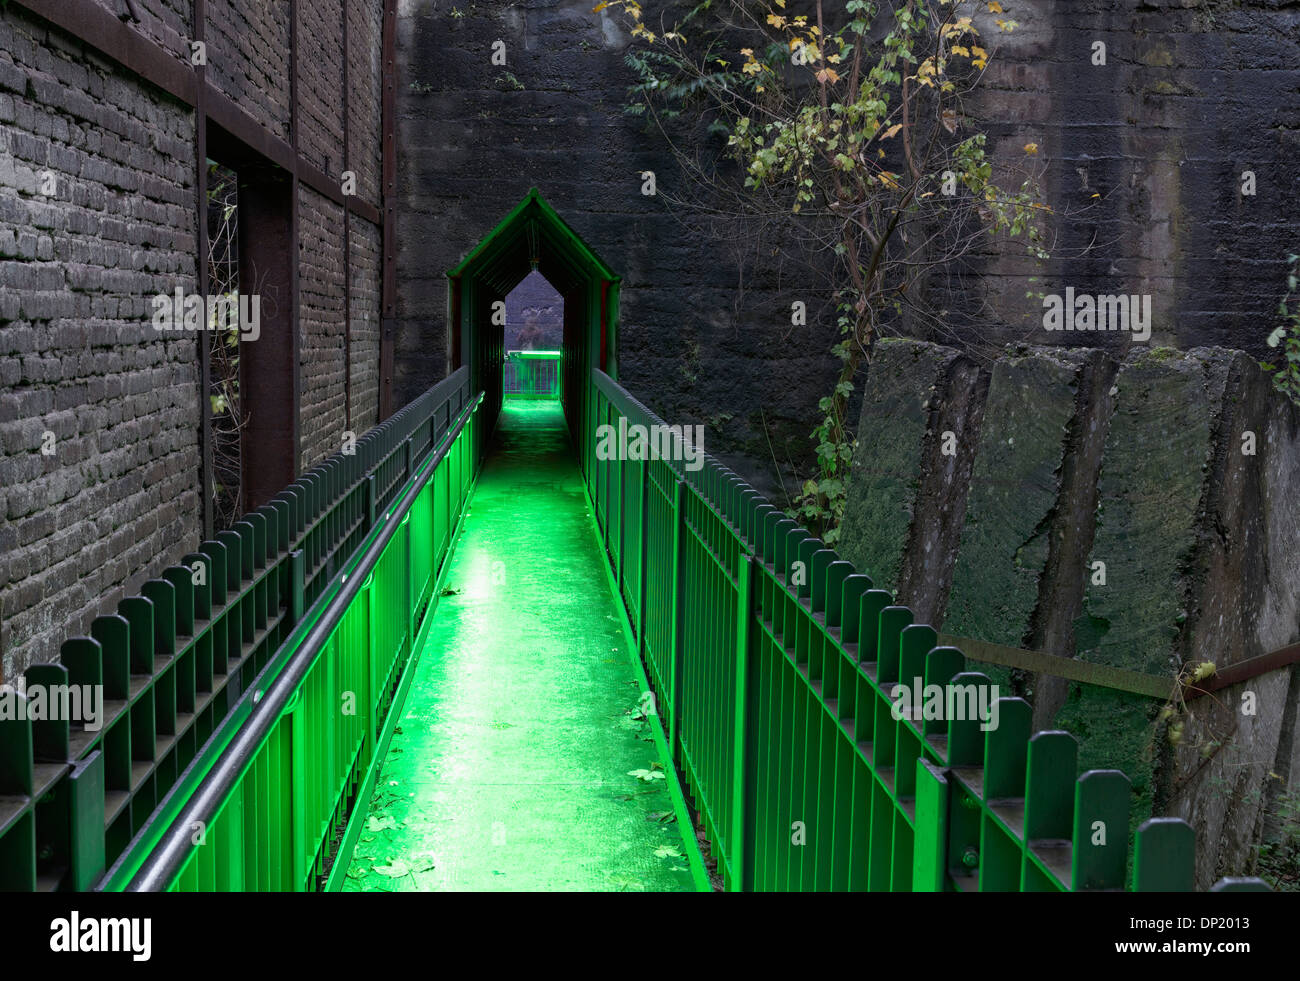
(534, 237)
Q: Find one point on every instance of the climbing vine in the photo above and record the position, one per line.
(1286, 337)
(845, 132)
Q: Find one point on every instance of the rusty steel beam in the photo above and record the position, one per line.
(206, 477)
(295, 246)
(388, 316)
(347, 238)
(1103, 675)
(116, 39)
(1252, 667)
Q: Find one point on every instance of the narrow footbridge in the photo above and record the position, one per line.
(483, 652)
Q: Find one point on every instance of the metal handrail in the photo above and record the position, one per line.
(166, 861)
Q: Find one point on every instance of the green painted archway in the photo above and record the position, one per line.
(534, 236)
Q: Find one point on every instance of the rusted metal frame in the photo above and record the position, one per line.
(347, 237)
(1252, 667)
(207, 479)
(99, 30)
(295, 300)
(604, 325)
(454, 286)
(1103, 675)
(388, 318)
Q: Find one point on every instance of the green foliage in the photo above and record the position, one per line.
(845, 124)
(1278, 856)
(1286, 337)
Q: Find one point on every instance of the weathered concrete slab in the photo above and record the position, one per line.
(1236, 747)
(1157, 457)
(1014, 490)
(893, 432)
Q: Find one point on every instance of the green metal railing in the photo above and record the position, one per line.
(268, 805)
(773, 663)
(532, 374)
(177, 661)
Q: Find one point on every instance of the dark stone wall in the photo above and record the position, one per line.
(1142, 159)
(698, 344)
(1191, 95)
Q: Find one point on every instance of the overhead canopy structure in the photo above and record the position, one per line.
(533, 236)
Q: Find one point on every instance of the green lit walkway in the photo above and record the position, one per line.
(510, 766)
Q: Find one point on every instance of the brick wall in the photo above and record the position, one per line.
(320, 30)
(365, 85)
(248, 58)
(363, 267)
(117, 500)
(320, 325)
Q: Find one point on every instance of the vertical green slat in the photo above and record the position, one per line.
(1100, 839)
(743, 773)
(1163, 859)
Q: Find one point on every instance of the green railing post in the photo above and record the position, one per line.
(678, 620)
(742, 808)
(645, 561)
(930, 849)
(297, 576)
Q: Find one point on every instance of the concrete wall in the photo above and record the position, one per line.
(1191, 95)
(699, 343)
(1142, 159)
(1061, 459)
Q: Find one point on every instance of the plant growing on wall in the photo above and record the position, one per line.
(845, 133)
(1286, 337)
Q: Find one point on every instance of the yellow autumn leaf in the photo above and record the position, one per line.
(600, 6)
(995, 7)
(834, 59)
(890, 133)
(776, 20)
(960, 49)
(1031, 149)
(827, 75)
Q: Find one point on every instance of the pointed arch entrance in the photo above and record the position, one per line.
(534, 237)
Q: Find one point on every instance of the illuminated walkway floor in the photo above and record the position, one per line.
(510, 766)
